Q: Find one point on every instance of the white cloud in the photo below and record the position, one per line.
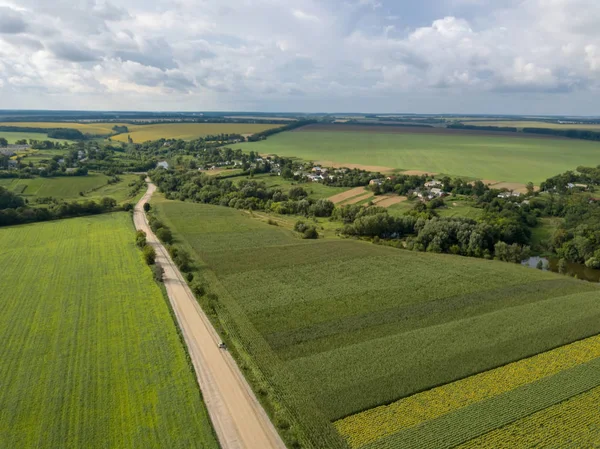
(321, 54)
(299, 14)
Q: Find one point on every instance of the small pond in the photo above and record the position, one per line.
(551, 264)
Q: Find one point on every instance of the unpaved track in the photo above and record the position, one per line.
(237, 417)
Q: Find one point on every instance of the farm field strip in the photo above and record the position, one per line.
(389, 200)
(572, 423)
(473, 156)
(330, 347)
(451, 430)
(98, 128)
(422, 407)
(90, 355)
(357, 199)
(187, 131)
(13, 137)
(340, 197)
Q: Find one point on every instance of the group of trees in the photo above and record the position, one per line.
(13, 209)
(245, 194)
(440, 235)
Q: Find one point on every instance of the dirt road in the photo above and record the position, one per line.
(239, 420)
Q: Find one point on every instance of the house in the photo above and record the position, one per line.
(163, 164)
(80, 154)
(436, 192)
(508, 194)
(8, 153)
(12, 164)
(434, 183)
(316, 169)
(71, 170)
(579, 186)
(375, 182)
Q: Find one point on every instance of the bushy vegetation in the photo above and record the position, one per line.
(87, 335)
(244, 194)
(13, 211)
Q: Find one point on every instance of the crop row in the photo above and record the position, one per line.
(467, 423)
(376, 423)
(573, 423)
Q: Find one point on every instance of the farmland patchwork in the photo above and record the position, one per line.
(334, 350)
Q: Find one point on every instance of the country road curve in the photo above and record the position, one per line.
(239, 420)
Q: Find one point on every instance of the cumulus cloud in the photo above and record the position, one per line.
(318, 54)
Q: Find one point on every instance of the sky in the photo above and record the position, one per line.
(389, 56)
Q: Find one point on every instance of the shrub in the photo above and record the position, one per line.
(164, 235)
(198, 289)
(272, 222)
(149, 255)
(140, 239)
(190, 277)
(146, 207)
(158, 273)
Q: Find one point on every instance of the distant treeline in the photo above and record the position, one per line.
(508, 129)
(568, 133)
(391, 125)
(269, 132)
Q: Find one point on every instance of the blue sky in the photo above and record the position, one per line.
(430, 56)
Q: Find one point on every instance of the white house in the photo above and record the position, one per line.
(433, 183)
(163, 164)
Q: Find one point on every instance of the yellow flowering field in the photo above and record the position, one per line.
(379, 422)
(574, 423)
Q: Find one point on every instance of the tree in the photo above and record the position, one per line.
(146, 207)
(562, 266)
(149, 255)
(3, 142)
(164, 235)
(540, 264)
(530, 188)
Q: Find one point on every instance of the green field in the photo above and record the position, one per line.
(315, 190)
(94, 186)
(90, 355)
(340, 326)
(13, 137)
(513, 159)
(187, 131)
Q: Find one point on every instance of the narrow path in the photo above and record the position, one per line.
(237, 417)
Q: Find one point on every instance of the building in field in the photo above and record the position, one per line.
(163, 164)
(506, 195)
(434, 183)
(375, 182)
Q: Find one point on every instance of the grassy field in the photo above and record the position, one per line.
(187, 131)
(340, 326)
(13, 137)
(93, 186)
(90, 354)
(482, 156)
(520, 124)
(315, 190)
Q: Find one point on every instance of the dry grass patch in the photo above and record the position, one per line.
(335, 199)
(389, 200)
(358, 199)
(418, 173)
